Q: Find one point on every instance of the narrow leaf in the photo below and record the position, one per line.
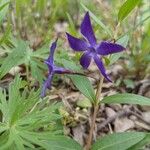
(142, 143)
(6, 34)
(84, 103)
(61, 143)
(118, 141)
(36, 71)
(126, 8)
(127, 98)
(18, 54)
(3, 9)
(2, 6)
(81, 82)
(84, 86)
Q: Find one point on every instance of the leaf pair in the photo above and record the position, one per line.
(85, 87)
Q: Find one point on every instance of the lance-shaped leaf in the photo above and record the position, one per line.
(142, 143)
(81, 82)
(84, 86)
(4, 5)
(118, 141)
(126, 8)
(126, 98)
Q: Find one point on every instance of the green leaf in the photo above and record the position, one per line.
(123, 40)
(42, 52)
(61, 143)
(84, 103)
(81, 82)
(70, 65)
(6, 140)
(126, 8)
(129, 83)
(84, 86)
(14, 96)
(3, 9)
(118, 141)
(97, 20)
(3, 127)
(36, 71)
(142, 143)
(141, 22)
(3, 103)
(126, 98)
(2, 6)
(5, 36)
(19, 142)
(19, 55)
(114, 57)
(23, 54)
(23, 115)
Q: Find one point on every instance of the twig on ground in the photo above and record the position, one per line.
(122, 113)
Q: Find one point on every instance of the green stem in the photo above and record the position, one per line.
(96, 107)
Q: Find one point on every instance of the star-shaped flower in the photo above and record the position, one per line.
(52, 68)
(90, 47)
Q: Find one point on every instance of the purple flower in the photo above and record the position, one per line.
(52, 68)
(90, 48)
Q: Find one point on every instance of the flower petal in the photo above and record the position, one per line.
(50, 65)
(50, 59)
(85, 60)
(101, 67)
(87, 30)
(106, 48)
(47, 84)
(77, 44)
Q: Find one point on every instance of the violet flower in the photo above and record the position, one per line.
(90, 48)
(52, 68)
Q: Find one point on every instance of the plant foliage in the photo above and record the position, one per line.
(28, 122)
(23, 54)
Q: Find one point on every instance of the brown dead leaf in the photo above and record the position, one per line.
(123, 124)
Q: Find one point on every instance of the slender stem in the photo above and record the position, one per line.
(96, 107)
(99, 89)
(90, 136)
